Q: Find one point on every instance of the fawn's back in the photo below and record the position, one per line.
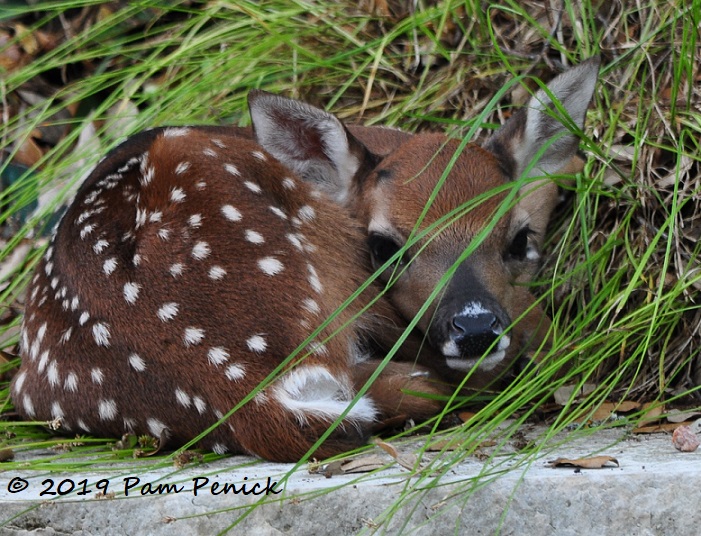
(195, 261)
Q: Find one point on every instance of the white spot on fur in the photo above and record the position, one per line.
(231, 213)
(66, 336)
(156, 427)
(218, 448)
(182, 397)
(232, 169)
(235, 372)
(84, 317)
(97, 376)
(107, 410)
(100, 246)
(164, 234)
(217, 355)
(71, 382)
(19, 381)
(28, 406)
(306, 213)
(56, 411)
(270, 266)
(254, 237)
(167, 311)
(52, 374)
(216, 273)
(176, 132)
(253, 187)
(177, 195)
(257, 344)
(41, 332)
(101, 334)
(288, 184)
(43, 360)
(260, 156)
(199, 404)
(201, 250)
(195, 221)
(147, 175)
(193, 336)
(137, 362)
(176, 269)
(311, 306)
(131, 292)
(182, 167)
(109, 266)
(85, 231)
(209, 152)
(314, 280)
(278, 212)
(295, 241)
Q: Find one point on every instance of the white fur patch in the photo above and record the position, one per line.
(314, 391)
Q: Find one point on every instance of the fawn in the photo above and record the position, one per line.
(194, 260)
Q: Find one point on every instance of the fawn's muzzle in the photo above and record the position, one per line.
(474, 330)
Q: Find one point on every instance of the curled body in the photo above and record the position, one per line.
(197, 263)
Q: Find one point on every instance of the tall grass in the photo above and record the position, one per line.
(621, 279)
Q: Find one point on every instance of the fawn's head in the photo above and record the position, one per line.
(425, 202)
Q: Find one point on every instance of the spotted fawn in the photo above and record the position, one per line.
(196, 263)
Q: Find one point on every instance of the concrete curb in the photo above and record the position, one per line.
(655, 491)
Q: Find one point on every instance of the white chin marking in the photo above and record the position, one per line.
(487, 363)
(453, 360)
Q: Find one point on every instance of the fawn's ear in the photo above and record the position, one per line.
(310, 141)
(538, 138)
(539, 126)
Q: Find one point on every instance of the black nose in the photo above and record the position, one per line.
(475, 333)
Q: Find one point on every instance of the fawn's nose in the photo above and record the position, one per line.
(475, 333)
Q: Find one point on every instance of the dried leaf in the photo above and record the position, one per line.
(465, 416)
(389, 449)
(657, 428)
(595, 462)
(606, 409)
(408, 461)
(682, 416)
(364, 464)
(651, 413)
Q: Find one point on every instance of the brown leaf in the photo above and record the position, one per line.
(606, 409)
(364, 464)
(657, 428)
(465, 416)
(406, 460)
(595, 462)
(651, 413)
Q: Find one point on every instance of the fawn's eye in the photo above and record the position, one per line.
(519, 248)
(382, 248)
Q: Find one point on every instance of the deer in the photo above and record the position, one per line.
(203, 275)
